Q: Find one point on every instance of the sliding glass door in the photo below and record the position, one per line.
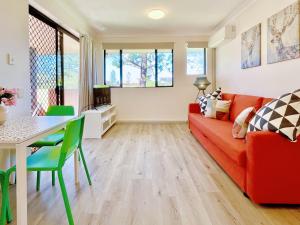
(54, 64)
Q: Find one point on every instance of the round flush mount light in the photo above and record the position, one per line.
(156, 14)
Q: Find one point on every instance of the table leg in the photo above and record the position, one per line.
(76, 166)
(21, 185)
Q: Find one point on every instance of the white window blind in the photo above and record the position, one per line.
(155, 45)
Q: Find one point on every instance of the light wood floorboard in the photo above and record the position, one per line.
(149, 174)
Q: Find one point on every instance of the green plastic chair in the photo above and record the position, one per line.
(56, 138)
(53, 139)
(81, 155)
(53, 158)
(6, 215)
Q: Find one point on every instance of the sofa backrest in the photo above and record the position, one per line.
(266, 100)
(241, 102)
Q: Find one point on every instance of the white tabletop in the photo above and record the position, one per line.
(20, 130)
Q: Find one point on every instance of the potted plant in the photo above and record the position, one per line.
(7, 98)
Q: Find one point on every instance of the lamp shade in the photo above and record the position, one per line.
(201, 83)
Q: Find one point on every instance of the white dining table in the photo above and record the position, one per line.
(18, 134)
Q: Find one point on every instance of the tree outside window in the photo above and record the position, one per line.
(139, 68)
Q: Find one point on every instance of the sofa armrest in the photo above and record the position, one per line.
(194, 108)
(273, 167)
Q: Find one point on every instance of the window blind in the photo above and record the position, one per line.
(156, 45)
(197, 44)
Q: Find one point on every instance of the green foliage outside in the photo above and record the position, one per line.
(145, 63)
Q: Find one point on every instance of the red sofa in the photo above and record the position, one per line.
(266, 166)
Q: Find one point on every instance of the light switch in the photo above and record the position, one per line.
(10, 59)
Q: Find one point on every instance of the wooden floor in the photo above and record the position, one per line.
(149, 174)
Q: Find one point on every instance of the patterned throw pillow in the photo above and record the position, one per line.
(241, 123)
(203, 102)
(217, 109)
(217, 94)
(281, 115)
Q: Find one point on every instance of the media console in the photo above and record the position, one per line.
(99, 120)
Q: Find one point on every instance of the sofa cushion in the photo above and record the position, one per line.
(217, 109)
(228, 97)
(242, 102)
(203, 102)
(220, 133)
(281, 115)
(217, 94)
(241, 123)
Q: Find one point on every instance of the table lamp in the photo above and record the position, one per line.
(201, 83)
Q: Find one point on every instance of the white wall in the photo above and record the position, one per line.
(159, 104)
(64, 15)
(14, 40)
(268, 80)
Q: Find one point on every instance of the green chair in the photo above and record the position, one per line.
(53, 139)
(6, 215)
(81, 155)
(53, 158)
(56, 138)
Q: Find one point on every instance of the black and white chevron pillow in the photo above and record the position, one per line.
(281, 115)
(217, 94)
(203, 102)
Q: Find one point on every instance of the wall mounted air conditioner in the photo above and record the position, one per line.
(222, 36)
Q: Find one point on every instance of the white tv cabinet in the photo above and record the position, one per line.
(99, 120)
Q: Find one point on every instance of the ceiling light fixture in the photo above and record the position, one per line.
(156, 14)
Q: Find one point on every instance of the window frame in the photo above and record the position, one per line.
(121, 70)
(205, 63)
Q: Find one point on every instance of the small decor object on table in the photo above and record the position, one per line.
(201, 83)
(7, 98)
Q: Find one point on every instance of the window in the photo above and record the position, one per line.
(112, 68)
(139, 68)
(164, 68)
(196, 61)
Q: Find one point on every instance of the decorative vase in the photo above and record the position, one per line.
(3, 114)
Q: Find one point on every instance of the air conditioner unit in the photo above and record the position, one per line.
(222, 36)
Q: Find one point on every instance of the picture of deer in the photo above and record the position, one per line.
(284, 35)
(251, 47)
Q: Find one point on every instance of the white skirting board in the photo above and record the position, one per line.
(152, 121)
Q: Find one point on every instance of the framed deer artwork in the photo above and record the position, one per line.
(284, 34)
(251, 47)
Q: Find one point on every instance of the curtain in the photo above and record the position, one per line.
(87, 73)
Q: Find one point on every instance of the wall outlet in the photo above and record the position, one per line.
(10, 59)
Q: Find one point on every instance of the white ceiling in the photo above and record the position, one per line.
(129, 17)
